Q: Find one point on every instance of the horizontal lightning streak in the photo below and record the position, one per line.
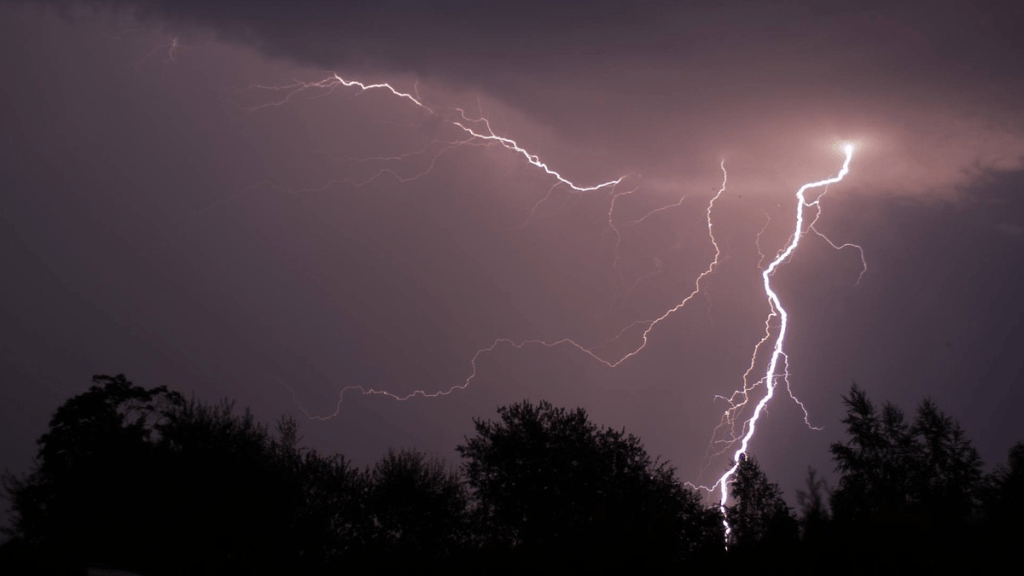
(330, 84)
(486, 135)
(649, 326)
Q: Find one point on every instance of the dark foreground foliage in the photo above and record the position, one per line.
(914, 492)
(146, 481)
(551, 485)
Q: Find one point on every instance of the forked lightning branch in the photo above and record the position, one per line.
(738, 424)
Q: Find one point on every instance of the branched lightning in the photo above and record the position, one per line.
(469, 126)
(323, 88)
(739, 399)
(731, 432)
(863, 261)
(648, 327)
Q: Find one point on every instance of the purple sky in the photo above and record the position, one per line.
(152, 225)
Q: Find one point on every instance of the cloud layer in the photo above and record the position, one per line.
(929, 89)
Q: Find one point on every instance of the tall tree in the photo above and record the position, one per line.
(760, 517)
(878, 462)
(905, 489)
(814, 514)
(949, 475)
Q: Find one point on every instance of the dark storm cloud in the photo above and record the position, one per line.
(946, 45)
(673, 80)
(418, 35)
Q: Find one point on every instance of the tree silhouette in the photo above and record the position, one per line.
(906, 489)
(1004, 497)
(92, 482)
(142, 480)
(232, 486)
(1002, 500)
(331, 526)
(760, 518)
(418, 509)
(554, 487)
(814, 514)
(949, 475)
(877, 463)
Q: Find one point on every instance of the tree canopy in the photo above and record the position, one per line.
(549, 483)
(144, 480)
(138, 479)
(418, 508)
(99, 451)
(760, 518)
(905, 486)
(890, 466)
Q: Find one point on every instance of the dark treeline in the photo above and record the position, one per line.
(144, 480)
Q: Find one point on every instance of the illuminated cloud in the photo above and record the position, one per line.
(927, 88)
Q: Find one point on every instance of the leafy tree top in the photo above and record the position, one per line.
(893, 468)
(760, 514)
(114, 415)
(546, 477)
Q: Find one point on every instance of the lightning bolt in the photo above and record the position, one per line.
(469, 126)
(477, 131)
(770, 379)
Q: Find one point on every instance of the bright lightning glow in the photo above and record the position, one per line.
(531, 158)
(478, 132)
(769, 379)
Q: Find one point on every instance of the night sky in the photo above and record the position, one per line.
(166, 214)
